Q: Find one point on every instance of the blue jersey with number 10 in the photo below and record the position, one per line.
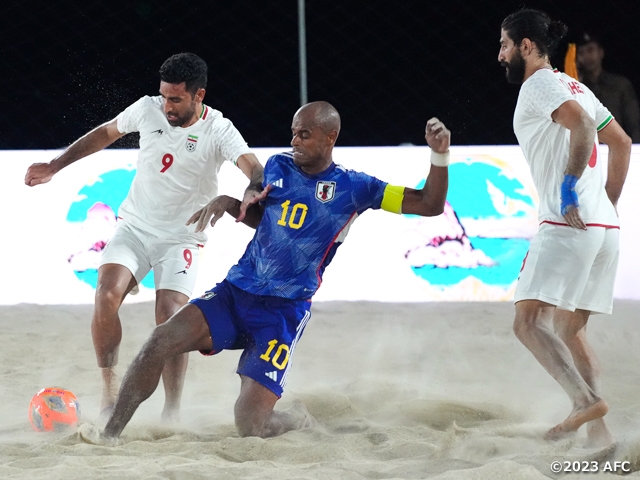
(306, 218)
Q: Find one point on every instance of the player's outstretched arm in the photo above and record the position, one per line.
(254, 171)
(619, 144)
(430, 200)
(94, 141)
(222, 204)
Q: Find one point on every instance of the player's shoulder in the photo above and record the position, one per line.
(545, 86)
(282, 159)
(543, 78)
(357, 180)
(354, 175)
(150, 101)
(146, 103)
(212, 116)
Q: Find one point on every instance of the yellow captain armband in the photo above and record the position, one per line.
(392, 199)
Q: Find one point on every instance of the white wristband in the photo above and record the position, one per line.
(440, 159)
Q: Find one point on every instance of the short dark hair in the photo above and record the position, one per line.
(537, 27)
(185, 67)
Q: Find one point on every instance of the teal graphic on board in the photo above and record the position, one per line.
(93, 216)
(484, 232)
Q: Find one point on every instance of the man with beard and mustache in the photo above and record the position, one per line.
(183, 143)
(570, 268)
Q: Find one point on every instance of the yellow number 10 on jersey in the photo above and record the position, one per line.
(277, 360)
(294, 212)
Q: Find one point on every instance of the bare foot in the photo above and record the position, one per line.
(89, 433)
(598, 435)
(576, 419)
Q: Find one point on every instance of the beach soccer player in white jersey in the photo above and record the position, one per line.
(183, 143)
(570, 268)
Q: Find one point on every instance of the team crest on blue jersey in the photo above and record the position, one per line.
(192, 141)
(325, 191)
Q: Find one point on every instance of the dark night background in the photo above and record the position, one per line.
(386, 65)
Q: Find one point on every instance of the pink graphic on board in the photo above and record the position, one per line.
(442, 242)
(92, 239)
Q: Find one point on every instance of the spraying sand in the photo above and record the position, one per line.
(403, 391)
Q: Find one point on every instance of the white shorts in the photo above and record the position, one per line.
(570, 268)
(174, 262)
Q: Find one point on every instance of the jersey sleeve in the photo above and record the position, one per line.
(368, 191)
(542, 94)
(269, 173)
(129, 119)
(229, 142)
(603, 115)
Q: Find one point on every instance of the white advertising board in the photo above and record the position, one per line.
(53, 233)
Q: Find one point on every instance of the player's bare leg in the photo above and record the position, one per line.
(186, 331)
(533, 327)
(255, 416)
(572, 328)
(168, 302)
(114, 283)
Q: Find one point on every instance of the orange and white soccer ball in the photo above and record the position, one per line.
(54, 409)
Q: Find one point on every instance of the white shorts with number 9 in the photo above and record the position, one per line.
(571, 268)
(174, 262)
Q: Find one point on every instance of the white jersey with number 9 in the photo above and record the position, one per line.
(177, 168)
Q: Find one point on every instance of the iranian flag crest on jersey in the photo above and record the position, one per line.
(192, 141)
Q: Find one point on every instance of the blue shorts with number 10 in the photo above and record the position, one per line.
(266, 327)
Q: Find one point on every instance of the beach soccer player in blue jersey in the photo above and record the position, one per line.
(301, 217)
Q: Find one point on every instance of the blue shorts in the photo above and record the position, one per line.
(267, 329)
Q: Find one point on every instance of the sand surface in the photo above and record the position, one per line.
(433, 390)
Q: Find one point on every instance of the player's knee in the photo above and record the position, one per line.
(570, 332)
(165, 312)
(168, 341)
(566, 334)
(168, 303)
(107, 299)
(159, 344)
(523, 326)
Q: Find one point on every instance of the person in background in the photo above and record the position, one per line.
(614, 91)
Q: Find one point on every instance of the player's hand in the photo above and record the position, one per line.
(574, 219)
(569, 202)
(437, 135)
(252, 197)
(39, 173)
(213, 210)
